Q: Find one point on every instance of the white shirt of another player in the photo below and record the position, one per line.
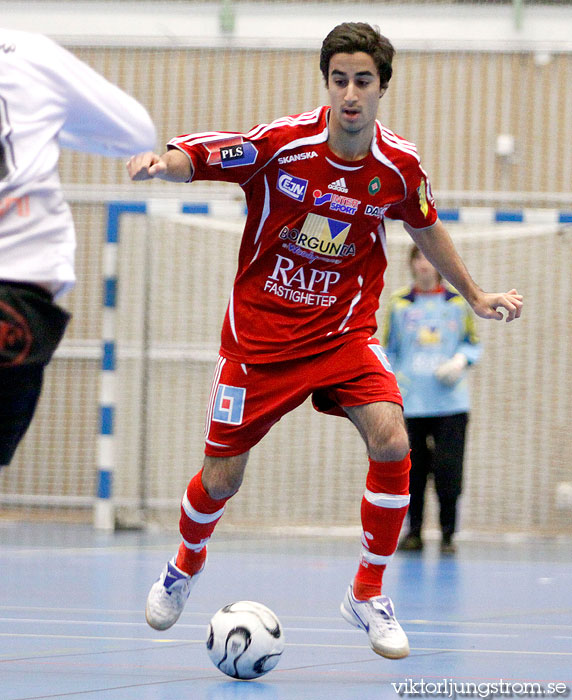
(48, 99)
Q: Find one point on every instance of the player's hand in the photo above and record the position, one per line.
(488, 305)
(449, 372)
(146, 166)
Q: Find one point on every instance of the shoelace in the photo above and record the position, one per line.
(386, 621)
(178, 588)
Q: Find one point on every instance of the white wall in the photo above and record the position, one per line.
(293, 25)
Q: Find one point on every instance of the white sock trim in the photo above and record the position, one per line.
(198, 517)
(376, 559)
(386, 500)
(195, 547)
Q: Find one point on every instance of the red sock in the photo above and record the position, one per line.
(383, 508)
(199, 515)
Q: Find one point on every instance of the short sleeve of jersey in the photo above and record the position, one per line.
(418, 208)
(234, 157)
(224, 156)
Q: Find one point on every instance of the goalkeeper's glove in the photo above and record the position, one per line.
(451, 371)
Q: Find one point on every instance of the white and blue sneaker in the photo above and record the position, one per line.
(376, 617)
(168, 595)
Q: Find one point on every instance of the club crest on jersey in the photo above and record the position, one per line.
(231, 152)
(291, 186)
(321, 235)
(345, 205)
(374, 186)
(229, 404)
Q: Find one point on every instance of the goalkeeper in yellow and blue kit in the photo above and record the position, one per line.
(430, 338)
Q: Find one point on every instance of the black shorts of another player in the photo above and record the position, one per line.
(31, 328)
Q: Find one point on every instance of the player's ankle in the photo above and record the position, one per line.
(190, 562)
(365, 591)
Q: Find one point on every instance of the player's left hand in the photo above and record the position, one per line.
(488, 305)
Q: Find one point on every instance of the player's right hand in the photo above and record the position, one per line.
(146, 166)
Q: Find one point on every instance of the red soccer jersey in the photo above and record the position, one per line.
(312, 256)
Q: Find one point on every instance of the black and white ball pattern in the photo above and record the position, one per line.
(245, 639)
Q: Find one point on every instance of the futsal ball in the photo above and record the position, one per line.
(245, 639)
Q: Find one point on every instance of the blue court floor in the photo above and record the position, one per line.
(72, 622)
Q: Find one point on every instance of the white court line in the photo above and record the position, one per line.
(102, 638)
(294, 644)
(87, 623)
(74, 551)
(98, 611)
(153, 549)
(309, 630)
(207, 615)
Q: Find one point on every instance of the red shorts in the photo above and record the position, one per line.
(247, 400)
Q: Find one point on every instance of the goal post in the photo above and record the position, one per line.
(104, 514)
(104, 508)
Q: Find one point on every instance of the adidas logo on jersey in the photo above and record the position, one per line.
(338, 185)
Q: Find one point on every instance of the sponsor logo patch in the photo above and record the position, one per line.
(291, 186)
(231, 152)
(339, 185)
(300, 284)
(297, 156)
(429, 335)
(378, 212)
(422, 192)
(229, 404)
(345, 205)
(322, 236)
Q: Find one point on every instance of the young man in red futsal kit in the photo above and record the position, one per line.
(301, 315)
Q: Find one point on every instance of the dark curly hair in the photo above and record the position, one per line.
(351, 37)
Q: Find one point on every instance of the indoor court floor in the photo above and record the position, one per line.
(72, 622)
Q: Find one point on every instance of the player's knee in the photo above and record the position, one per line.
(392, 447)
(222, 477)
(222, 485)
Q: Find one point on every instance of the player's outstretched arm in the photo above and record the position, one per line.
(436, 245)
(99, 116)
(173, 166)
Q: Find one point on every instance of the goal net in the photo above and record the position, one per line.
(309, 470)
